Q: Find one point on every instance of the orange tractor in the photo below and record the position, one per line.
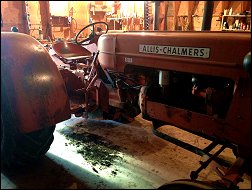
(197, 81)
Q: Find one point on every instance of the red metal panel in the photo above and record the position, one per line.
(69, 50)
(106, 46)
(227, 51)
(34, 86)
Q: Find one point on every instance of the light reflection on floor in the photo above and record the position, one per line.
(147, 161)
(7, 183)
(128, 175)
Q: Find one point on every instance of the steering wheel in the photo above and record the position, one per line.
(92, 35)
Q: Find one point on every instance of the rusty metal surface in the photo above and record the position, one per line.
(226, 51)
(70, 51)
(34, 87)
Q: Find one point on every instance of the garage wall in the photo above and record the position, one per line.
(35, 18)
(12, 13)
(77, 10)
(188, 15)
(61, 11)
(174, 15)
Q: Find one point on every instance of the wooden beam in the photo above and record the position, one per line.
(191, 8)
(176, 9)
(45, 19)
(196, 4)
(163, 15)
(24, 19)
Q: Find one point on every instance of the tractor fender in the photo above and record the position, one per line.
(33, 90)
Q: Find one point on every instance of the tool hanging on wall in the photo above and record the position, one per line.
(183, 22)
(147, 12)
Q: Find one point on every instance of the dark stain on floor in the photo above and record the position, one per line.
(95, 149)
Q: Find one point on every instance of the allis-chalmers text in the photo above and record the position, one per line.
(175, 50)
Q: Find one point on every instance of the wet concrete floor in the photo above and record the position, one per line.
(102, 154)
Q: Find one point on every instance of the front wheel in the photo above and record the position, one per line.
(19, 149)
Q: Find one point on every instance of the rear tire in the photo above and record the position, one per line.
(19, 149)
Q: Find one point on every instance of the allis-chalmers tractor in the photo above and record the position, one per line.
(197, 81)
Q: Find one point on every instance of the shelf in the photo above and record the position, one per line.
(237, 15)
(236, 30)
(115, 18)
(236, 22)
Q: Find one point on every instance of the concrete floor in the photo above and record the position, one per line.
(140, 160)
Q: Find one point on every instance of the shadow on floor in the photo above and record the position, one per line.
(46, 174)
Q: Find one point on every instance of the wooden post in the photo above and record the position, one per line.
(45, 19)
(176, 9)
(24, 20)
(207, 16)
(191, 7)
(163, 15)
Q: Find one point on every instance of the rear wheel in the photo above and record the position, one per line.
(19, 149)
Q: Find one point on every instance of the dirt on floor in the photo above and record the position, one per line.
(95, 149)
(102, 142)
(102, 154)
